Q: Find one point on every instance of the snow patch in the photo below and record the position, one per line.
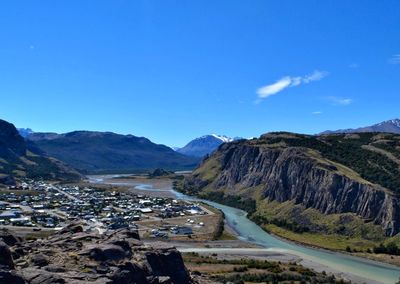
(223, 138)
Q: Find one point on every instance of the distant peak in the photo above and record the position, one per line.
(223, 138)
(395, 122)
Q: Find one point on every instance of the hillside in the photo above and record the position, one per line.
(343, 185)
(21, 159)
(390, 126)
(95, 152)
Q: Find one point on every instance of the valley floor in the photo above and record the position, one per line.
(230, 248)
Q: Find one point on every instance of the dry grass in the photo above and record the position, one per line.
(392, 259)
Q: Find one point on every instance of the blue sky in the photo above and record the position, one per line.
(175, 70)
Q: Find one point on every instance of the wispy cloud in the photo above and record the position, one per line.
(315, 76)
(316, 112)
(272, 89)
(340, 101)
(287, 82)
(395, 59)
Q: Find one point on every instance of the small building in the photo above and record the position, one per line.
(145, 210)
(182, 230)
(7, 215)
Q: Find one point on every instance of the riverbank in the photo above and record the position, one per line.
(343, 266)
(275, 219)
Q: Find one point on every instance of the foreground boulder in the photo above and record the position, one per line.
(9, 238)
(11, 277)
(108, 252)
(74, 256)
(6, 260)
(168, 263)
(39, 260)
(130, 273)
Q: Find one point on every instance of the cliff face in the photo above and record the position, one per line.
(283, 173)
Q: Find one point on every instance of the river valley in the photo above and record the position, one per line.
(356, 269)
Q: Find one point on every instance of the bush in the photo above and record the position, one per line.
(390, 248)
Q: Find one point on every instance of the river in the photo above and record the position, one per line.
(251, 232)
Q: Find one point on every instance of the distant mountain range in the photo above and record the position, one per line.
(204, 145)
(97, 152)
(20, 158)
(390, 126)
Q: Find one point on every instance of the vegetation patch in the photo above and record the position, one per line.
(311, 227)
(247, 270)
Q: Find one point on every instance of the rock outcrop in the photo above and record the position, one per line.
(6, 259)
(279, 172)
(74, 256)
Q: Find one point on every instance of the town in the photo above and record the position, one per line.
(36, 206)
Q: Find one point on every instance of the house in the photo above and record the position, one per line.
(3, 206)
(145, 210)
(7, 215)
(182, 230)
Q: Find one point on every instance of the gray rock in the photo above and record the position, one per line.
(72, 229)
(129, 273)
(47, 278)
(11, 277)
(9, 238)
(168, 263)
(55, 269)
(39, 260)
(108, 252)
(6, 259)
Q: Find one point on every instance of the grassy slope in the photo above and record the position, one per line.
(334, 231)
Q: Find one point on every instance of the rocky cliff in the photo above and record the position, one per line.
(287, 167)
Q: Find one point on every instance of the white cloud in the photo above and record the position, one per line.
(274, 88)
(316, 112)
(340, 101)
(395, 59)
(315, 76)
(287, 82)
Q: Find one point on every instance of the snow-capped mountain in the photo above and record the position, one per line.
(392, 126)
(24, 132)
(204, 145)
(223, 138)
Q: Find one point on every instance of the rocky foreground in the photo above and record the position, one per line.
(75, 256)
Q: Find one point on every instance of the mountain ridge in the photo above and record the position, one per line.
(97, 152)
(390, 126)
(22, 159)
